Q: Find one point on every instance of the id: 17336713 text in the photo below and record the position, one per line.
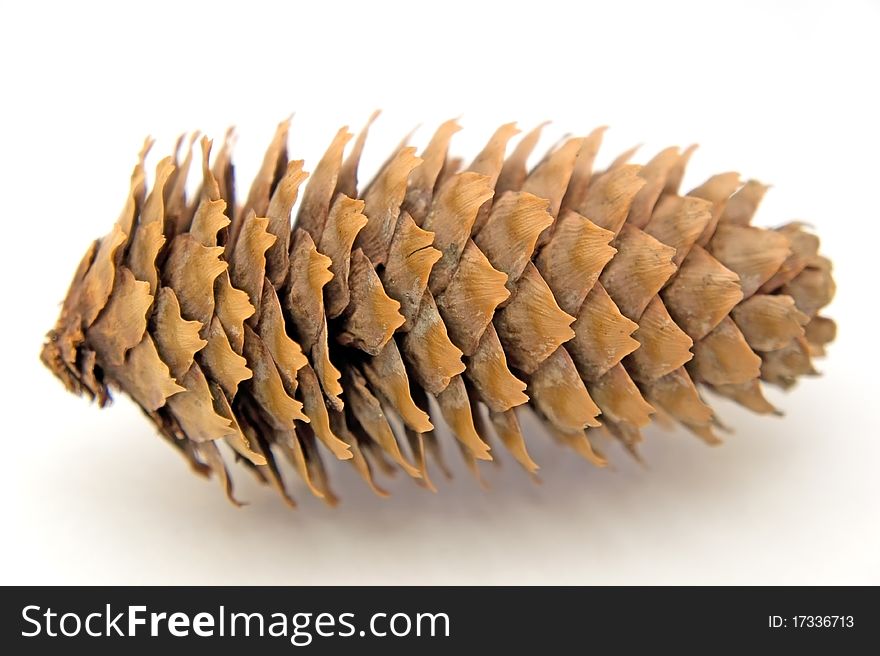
(811, 622)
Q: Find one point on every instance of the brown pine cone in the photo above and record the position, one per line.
(599, 299)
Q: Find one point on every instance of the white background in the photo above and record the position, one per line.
(784, 92)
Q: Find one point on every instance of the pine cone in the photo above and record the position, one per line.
(597, 299)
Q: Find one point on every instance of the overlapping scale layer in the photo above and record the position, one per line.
(598, 299)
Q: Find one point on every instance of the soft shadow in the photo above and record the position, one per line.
(139, 503)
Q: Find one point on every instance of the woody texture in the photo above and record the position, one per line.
(319, 318)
